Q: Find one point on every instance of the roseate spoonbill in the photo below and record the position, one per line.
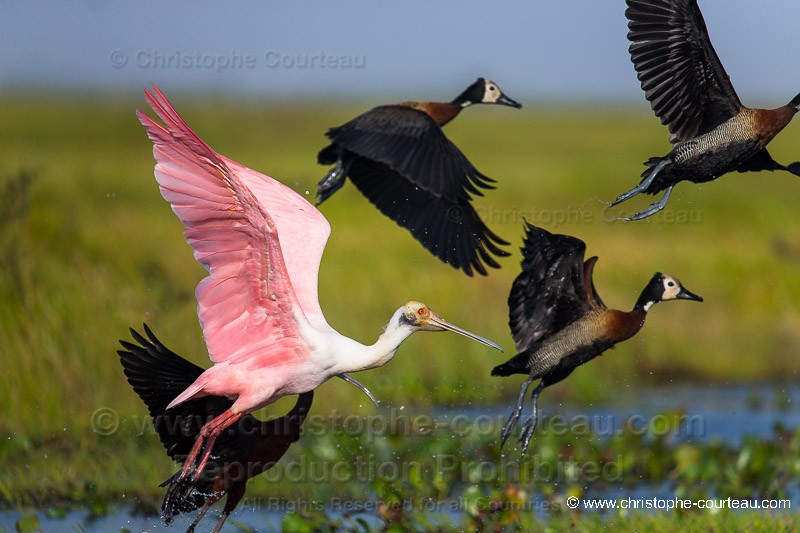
(683, 79)
(399, 158)
(242, 451)
(261, 243)
(559, 322)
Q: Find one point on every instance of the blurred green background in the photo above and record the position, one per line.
(88, 248)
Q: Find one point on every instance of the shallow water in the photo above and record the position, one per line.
(727, 413)
(121, 518)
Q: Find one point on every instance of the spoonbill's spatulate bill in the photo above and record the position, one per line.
(712, 132)
(243, 451)
(399, 158)
(261, 243)
(559, 322)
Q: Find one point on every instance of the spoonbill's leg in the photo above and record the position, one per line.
(228, 418)
(206, 438)
(353, 381)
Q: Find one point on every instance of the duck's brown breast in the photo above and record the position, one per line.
(769, 122)
(590, 335)
(440, 112)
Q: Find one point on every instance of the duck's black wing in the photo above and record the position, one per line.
(158, 375)
(450, 229)
(554, 288)
(400, 159)
(680, 73)
(411, 143)
(763, 161)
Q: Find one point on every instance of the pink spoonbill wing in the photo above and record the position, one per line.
(260, 241)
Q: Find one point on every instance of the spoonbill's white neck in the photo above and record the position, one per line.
(362, 357)
(350, 356)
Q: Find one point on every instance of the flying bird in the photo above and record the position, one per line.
(242, 452)
(712, 133)
(558, 320)
(399, 158)
(261, 243)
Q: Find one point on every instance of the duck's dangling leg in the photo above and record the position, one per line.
(332, 181)
(644, 184)
(514, 418)
(530, 423)
(655, 207)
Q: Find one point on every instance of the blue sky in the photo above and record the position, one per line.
(566, 51)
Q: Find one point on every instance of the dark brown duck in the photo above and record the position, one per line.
(399, 158)
(559, 322)
(244, 451)
(712, 132)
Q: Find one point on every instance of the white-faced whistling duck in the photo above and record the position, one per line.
(399, 158)
(711, 131)
(245, 450)
(558, 321)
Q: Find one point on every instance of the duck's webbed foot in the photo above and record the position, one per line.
(530, 423)
(652, 209)
(515, 414)
(644, 184)
(332, 181)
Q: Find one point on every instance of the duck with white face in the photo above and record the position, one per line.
(711, 131)
(398, 156)
(558, 320)
(259, 309)
(663, 288)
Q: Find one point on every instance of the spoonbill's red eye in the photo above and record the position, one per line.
(421, 311)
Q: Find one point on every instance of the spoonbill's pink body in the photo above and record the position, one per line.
(262, 244)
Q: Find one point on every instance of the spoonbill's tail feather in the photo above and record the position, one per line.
(191, 392)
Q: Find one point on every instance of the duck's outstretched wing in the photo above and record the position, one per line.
(553, 290)
(679, 70)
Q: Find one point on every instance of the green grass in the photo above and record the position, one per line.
(434, 480)
(88, 248)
